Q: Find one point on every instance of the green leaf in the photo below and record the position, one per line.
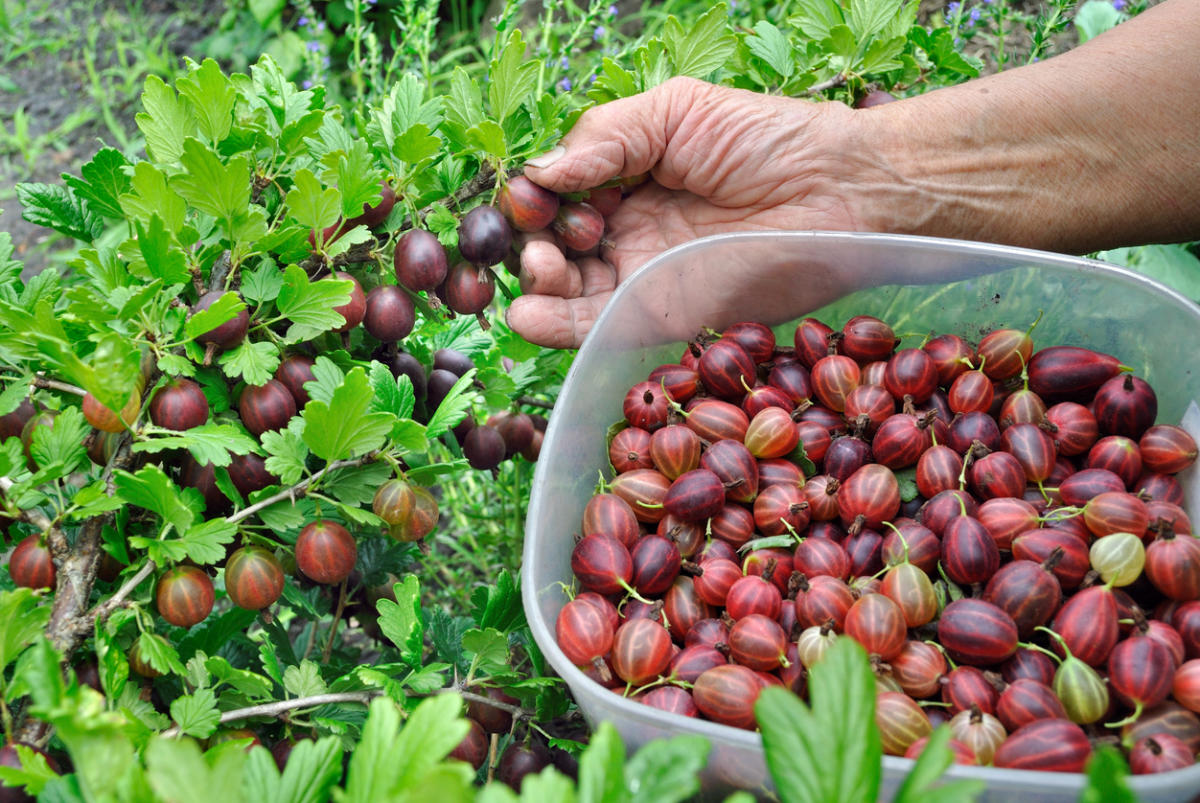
(442, 222)
(149, 195)
(463, 104)
(498, 605)
(1095, 17)
(602, 767)
(165, 122)
(309, 779)
(263, 283)
(453, 408)
(178, 772)
(21, 620)
(1173, 265)
(868, 17)
(356, 485)
(158, 653)
(310, 305)
(770, 45)
(344, 428)
(312, 205)
(211, 442)
(400, 621)
(164, 259)
(612, 82)
(704, 47)
(212, 98)
(253, 361)
(224, 309)
(831, 751)
(488, 137)
(196, 714)
(429, 734)
(62, 443)
(57, 207)
(304, 680)
(250, 684)
(151, 489)
(921, 785)
(103, 182)
(666, 770)
(511, 78)
(373, 774)
(358, 177)
(883, 55)
(393, 395)
(205, 542)
(816, 18)
(841, 42)
(549, 784)
(286, 455)
(489, 649)
(416, 144)
(221, 190)
(1107, 775)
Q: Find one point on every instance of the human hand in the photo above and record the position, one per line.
(721, 160)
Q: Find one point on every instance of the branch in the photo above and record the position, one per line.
(362, 697)
(529, 401)
(837, 80)
(283, 706)
(104, 609)
(42, 381)
(35, 517)
(300, 487)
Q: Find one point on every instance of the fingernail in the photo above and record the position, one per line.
(548, 158)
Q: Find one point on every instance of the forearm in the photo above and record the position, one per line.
(1096, 148)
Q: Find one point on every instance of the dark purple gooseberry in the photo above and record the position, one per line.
(846, 455)
(967, 428)
(228, 334)
(468, 288)
(249, 473)
(179, 404)
(403, 363)
(390, 313)
(527, 206)
(353, 310)
(293, 372)
(579, 226)
(438, 385)
(484, 236)
(452, 360)
(1125, 405)
(420, 260)
(266, 407)
(484, 448)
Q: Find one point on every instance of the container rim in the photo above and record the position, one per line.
(573, 676)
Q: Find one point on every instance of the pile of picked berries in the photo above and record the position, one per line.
(999, 527)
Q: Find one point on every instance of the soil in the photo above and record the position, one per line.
(51, 86)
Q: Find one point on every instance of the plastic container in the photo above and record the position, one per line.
(917, 285)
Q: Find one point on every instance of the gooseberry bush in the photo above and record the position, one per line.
(242, 426)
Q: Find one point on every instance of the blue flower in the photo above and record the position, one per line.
(598, 34)
(612, 10)
(975, 15)
(565, 84)
(325, 62)
(565, 63)
(306, 84)
(320, 25)
(951, 8)
(1118, 5)
(302, 22)
(314, 47)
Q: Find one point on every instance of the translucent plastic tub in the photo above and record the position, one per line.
(917, 285)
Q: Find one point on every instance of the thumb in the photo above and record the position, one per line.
(626, 137)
